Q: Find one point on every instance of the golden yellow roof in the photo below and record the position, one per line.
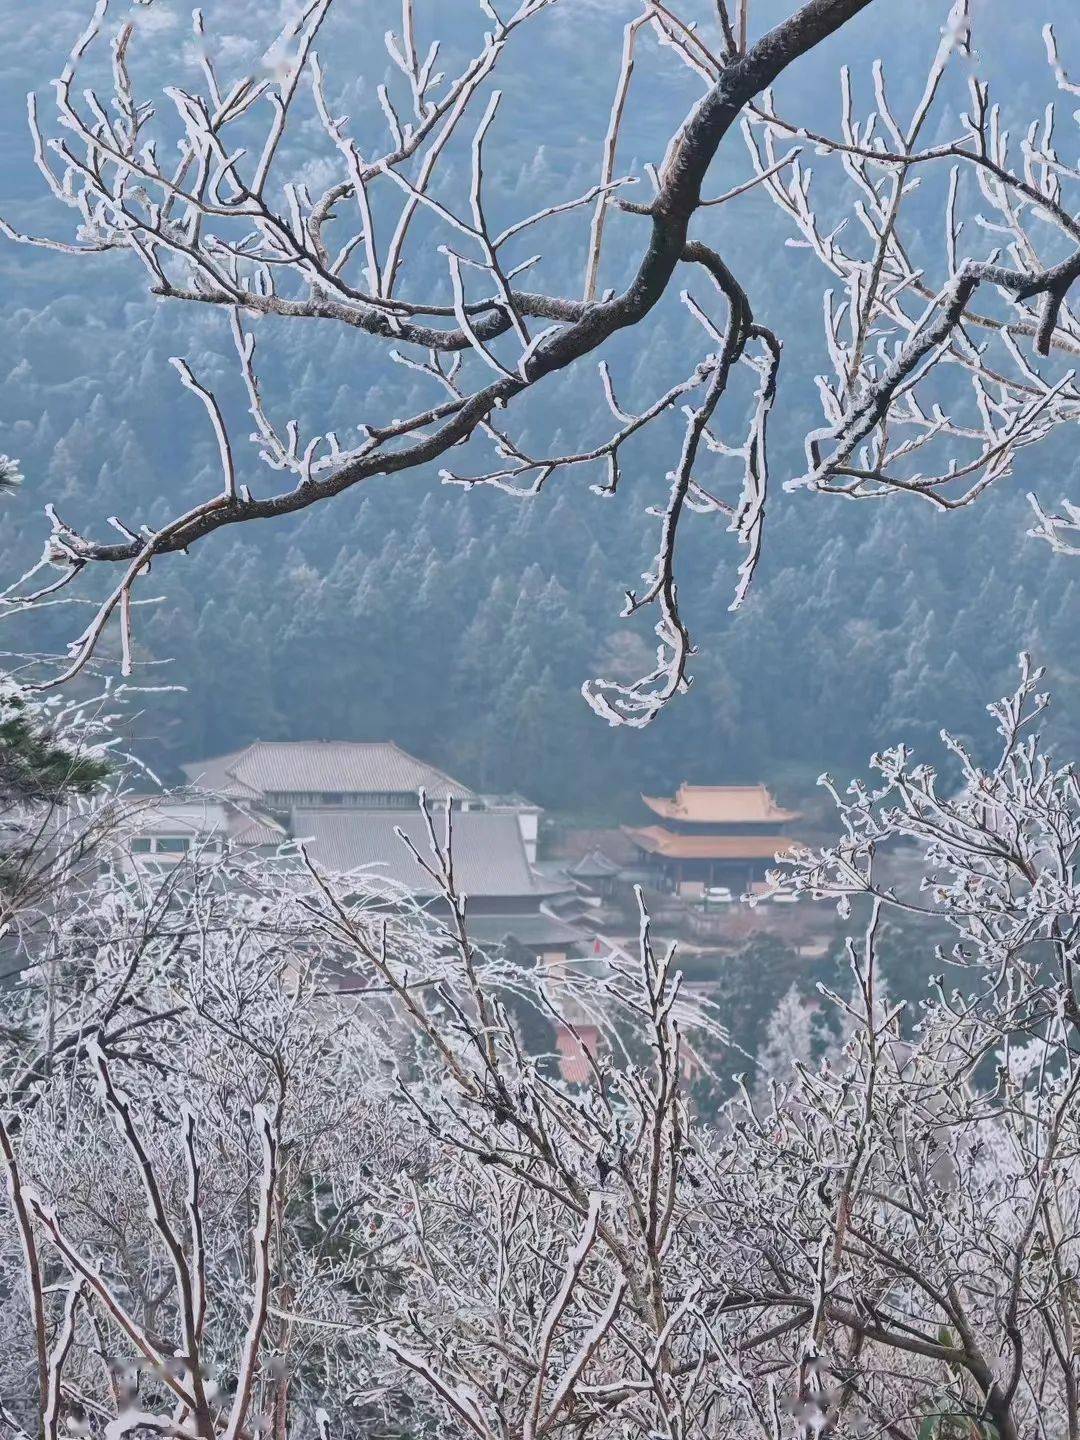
(720, 804)
(658, 841)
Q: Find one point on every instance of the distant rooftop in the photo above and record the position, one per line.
(511, 800)
(196, 818)
(594, 866)
(538, 930)
(657, 841)
(489, 854)
(721, 804)
(307, 767)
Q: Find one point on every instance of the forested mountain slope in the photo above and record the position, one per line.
(462, 623)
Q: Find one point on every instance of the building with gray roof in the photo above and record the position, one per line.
(286, 774)
(489, 855)
(347, 801)
(507, 897)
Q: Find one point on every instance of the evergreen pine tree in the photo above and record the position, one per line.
(35, 764)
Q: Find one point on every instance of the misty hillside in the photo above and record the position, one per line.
(463, 623)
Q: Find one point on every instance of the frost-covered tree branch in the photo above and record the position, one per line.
(948, 361)
(225, 224)
(938, 383)
(338, 1189)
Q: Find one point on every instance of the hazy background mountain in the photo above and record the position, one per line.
(461, 624)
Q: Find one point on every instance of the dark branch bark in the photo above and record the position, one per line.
(690, 155)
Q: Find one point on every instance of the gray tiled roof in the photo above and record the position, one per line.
(346, 766)
(187, 813)
(489, 856)
(568, 907)
(595, 865)
(536, 929)
(216, 776)
(259, 832)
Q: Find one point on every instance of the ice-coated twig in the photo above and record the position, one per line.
(188, 380)
(611, 145)
(1061, 532)
(942, 363)
(268, 1124)
(33, 1277)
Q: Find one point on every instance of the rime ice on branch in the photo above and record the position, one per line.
(241, 1198)
(945, 361)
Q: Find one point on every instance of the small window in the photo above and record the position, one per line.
(333, 797)
(142, 845)
(173, 844)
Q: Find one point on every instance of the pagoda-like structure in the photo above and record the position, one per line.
(712, 835)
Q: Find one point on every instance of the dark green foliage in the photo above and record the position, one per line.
(947, 1419)
(463, 623)
(34, 764)
(946, 1424)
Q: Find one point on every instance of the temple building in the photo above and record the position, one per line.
(349, 803)
(507, 896)
(712, 835)
(283, 775)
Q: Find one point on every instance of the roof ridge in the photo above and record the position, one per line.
(755, 785)
(214, 759)
(488, 862)
(436, 769)
(325, 740)
(328, 765)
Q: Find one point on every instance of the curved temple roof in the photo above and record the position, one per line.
(594, 866)
(281, 767)
(489, 855)
(657, 841)
(721, 805)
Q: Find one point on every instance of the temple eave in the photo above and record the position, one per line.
(655, 840)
